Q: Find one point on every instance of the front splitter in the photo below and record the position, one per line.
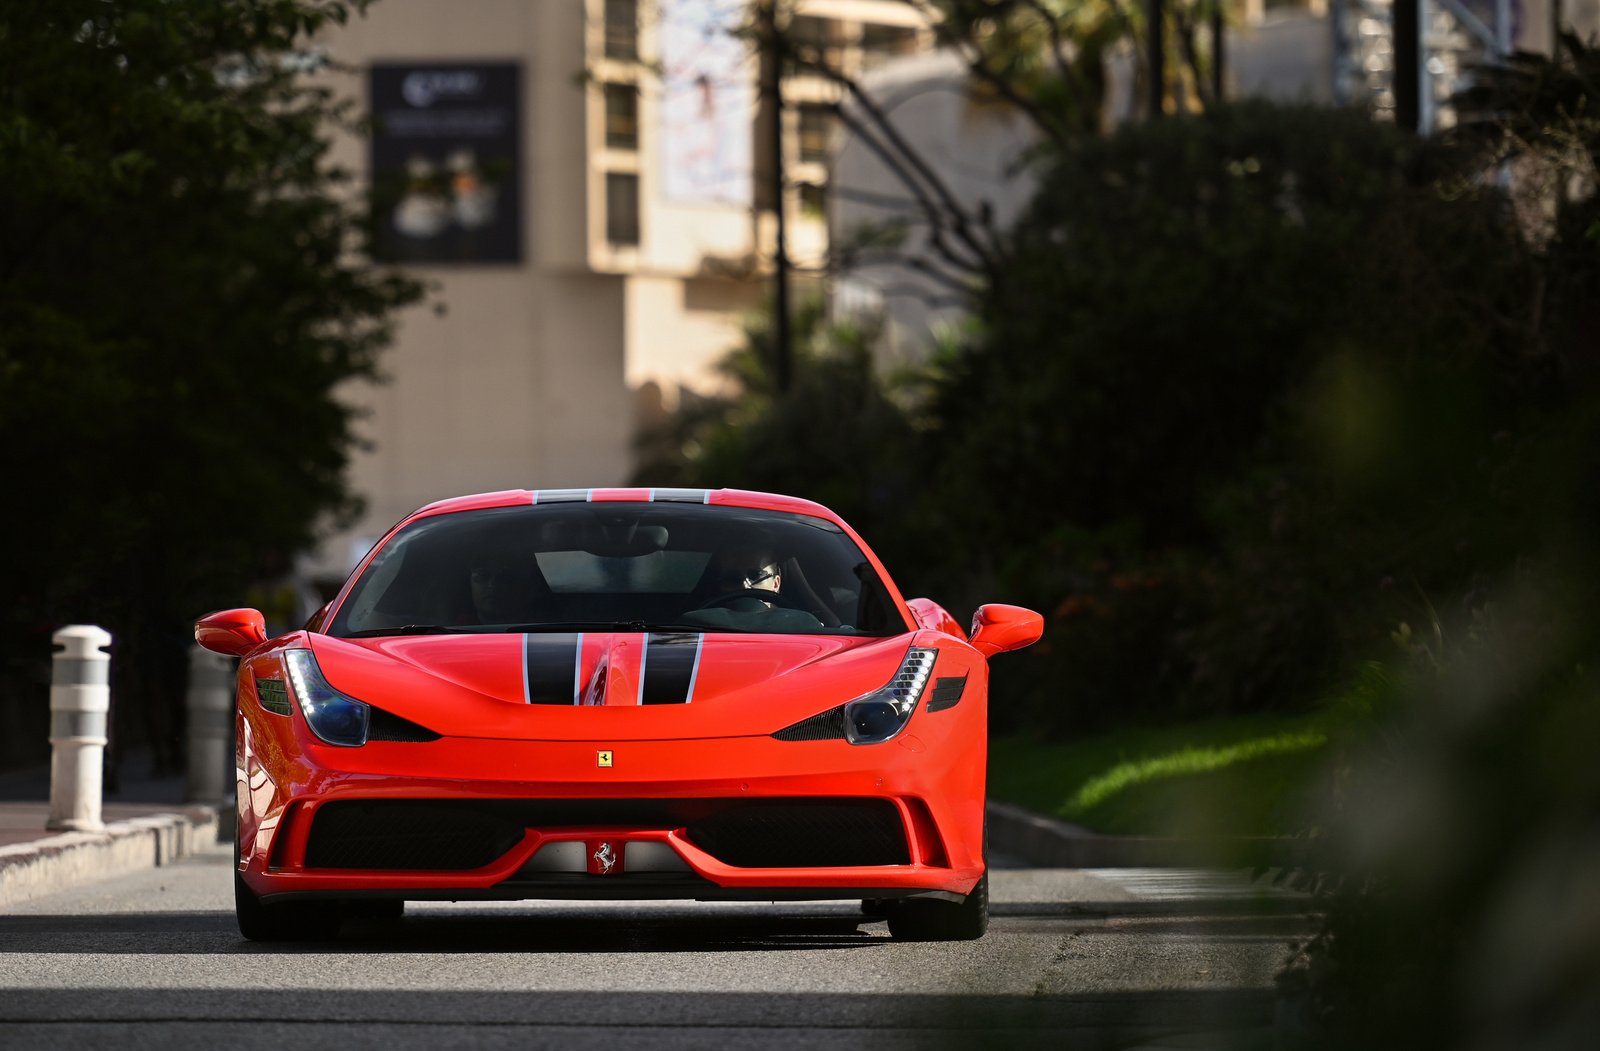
(612, 888)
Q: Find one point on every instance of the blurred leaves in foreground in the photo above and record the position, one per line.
(179, 295)
(1460, 850)
(1459, 846)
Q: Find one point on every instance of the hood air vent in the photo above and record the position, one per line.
(387, 726)
(829, 726)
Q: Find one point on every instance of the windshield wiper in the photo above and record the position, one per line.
(407, 629)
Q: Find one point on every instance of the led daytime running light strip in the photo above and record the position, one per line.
(905, 689)
(297, 681)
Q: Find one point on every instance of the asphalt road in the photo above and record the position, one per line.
(1097, 959)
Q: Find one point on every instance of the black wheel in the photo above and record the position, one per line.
(920, 920)
(294, 921)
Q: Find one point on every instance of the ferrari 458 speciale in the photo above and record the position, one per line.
(615, 694)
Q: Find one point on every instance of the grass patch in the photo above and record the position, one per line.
(1230, 776)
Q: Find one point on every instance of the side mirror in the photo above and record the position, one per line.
(997, 628)
(231, 631)
(934, 617)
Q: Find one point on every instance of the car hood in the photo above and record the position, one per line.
(609, 685)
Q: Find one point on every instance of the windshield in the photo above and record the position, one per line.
(619, 567)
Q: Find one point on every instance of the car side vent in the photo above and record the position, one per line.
(829, 726)
(387, 726)
(946, 693)
(273, 695)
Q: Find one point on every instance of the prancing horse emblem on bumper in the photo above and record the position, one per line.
(605, 857)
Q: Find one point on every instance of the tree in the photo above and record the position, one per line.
(1458, 826)
(181, 290)
(839, 433)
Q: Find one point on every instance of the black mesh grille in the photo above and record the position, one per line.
(829, 726)
(402, 834)
(387, 726)
(805, 835)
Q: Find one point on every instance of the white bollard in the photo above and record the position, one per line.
(80, 698)
(210, 702)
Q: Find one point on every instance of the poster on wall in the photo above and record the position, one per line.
(446, 162)
(707, 102)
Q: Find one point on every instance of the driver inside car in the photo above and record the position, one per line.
(745, 571)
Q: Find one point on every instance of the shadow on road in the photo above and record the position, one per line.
(1108, 1020)
(378, 985)
(568, 931)
(488, 932)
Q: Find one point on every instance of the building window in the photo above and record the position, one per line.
(816, 122)
(622, 30)
(880, 43)
(813, 200)
(622, 117)
(622, 208)
(809, 31)
(814, 40)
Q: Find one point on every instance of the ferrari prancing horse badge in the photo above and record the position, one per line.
(603, 758)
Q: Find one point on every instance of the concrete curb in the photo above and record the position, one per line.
(1049, 843)
(72, 859)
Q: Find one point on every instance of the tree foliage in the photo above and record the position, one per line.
(1459, 855)
(180, 293)
(840, 434)
(1256, 385)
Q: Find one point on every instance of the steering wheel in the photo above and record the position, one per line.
(718, 601)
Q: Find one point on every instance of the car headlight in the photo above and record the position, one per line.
(883, 713)
(332, 716)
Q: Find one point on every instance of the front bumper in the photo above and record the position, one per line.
(928, 786)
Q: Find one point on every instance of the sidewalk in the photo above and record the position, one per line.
(23, 822)
(146, 826)
(34, 861)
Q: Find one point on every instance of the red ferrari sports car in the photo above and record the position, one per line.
(615, 693)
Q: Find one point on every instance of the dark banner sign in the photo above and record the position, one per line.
(446, 163)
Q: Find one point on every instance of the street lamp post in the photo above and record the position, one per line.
(772, 94)
(1407, 75)
(1219, 39)
(1157, 52)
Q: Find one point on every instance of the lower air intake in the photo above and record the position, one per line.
(403, 834)
(805, 835)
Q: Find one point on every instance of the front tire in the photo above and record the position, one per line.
(942, 921)
(293, 921)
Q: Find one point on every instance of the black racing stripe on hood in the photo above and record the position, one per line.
(671, 662)
(550, 668)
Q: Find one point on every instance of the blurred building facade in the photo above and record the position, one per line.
(1332, 52)
(580, 183)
